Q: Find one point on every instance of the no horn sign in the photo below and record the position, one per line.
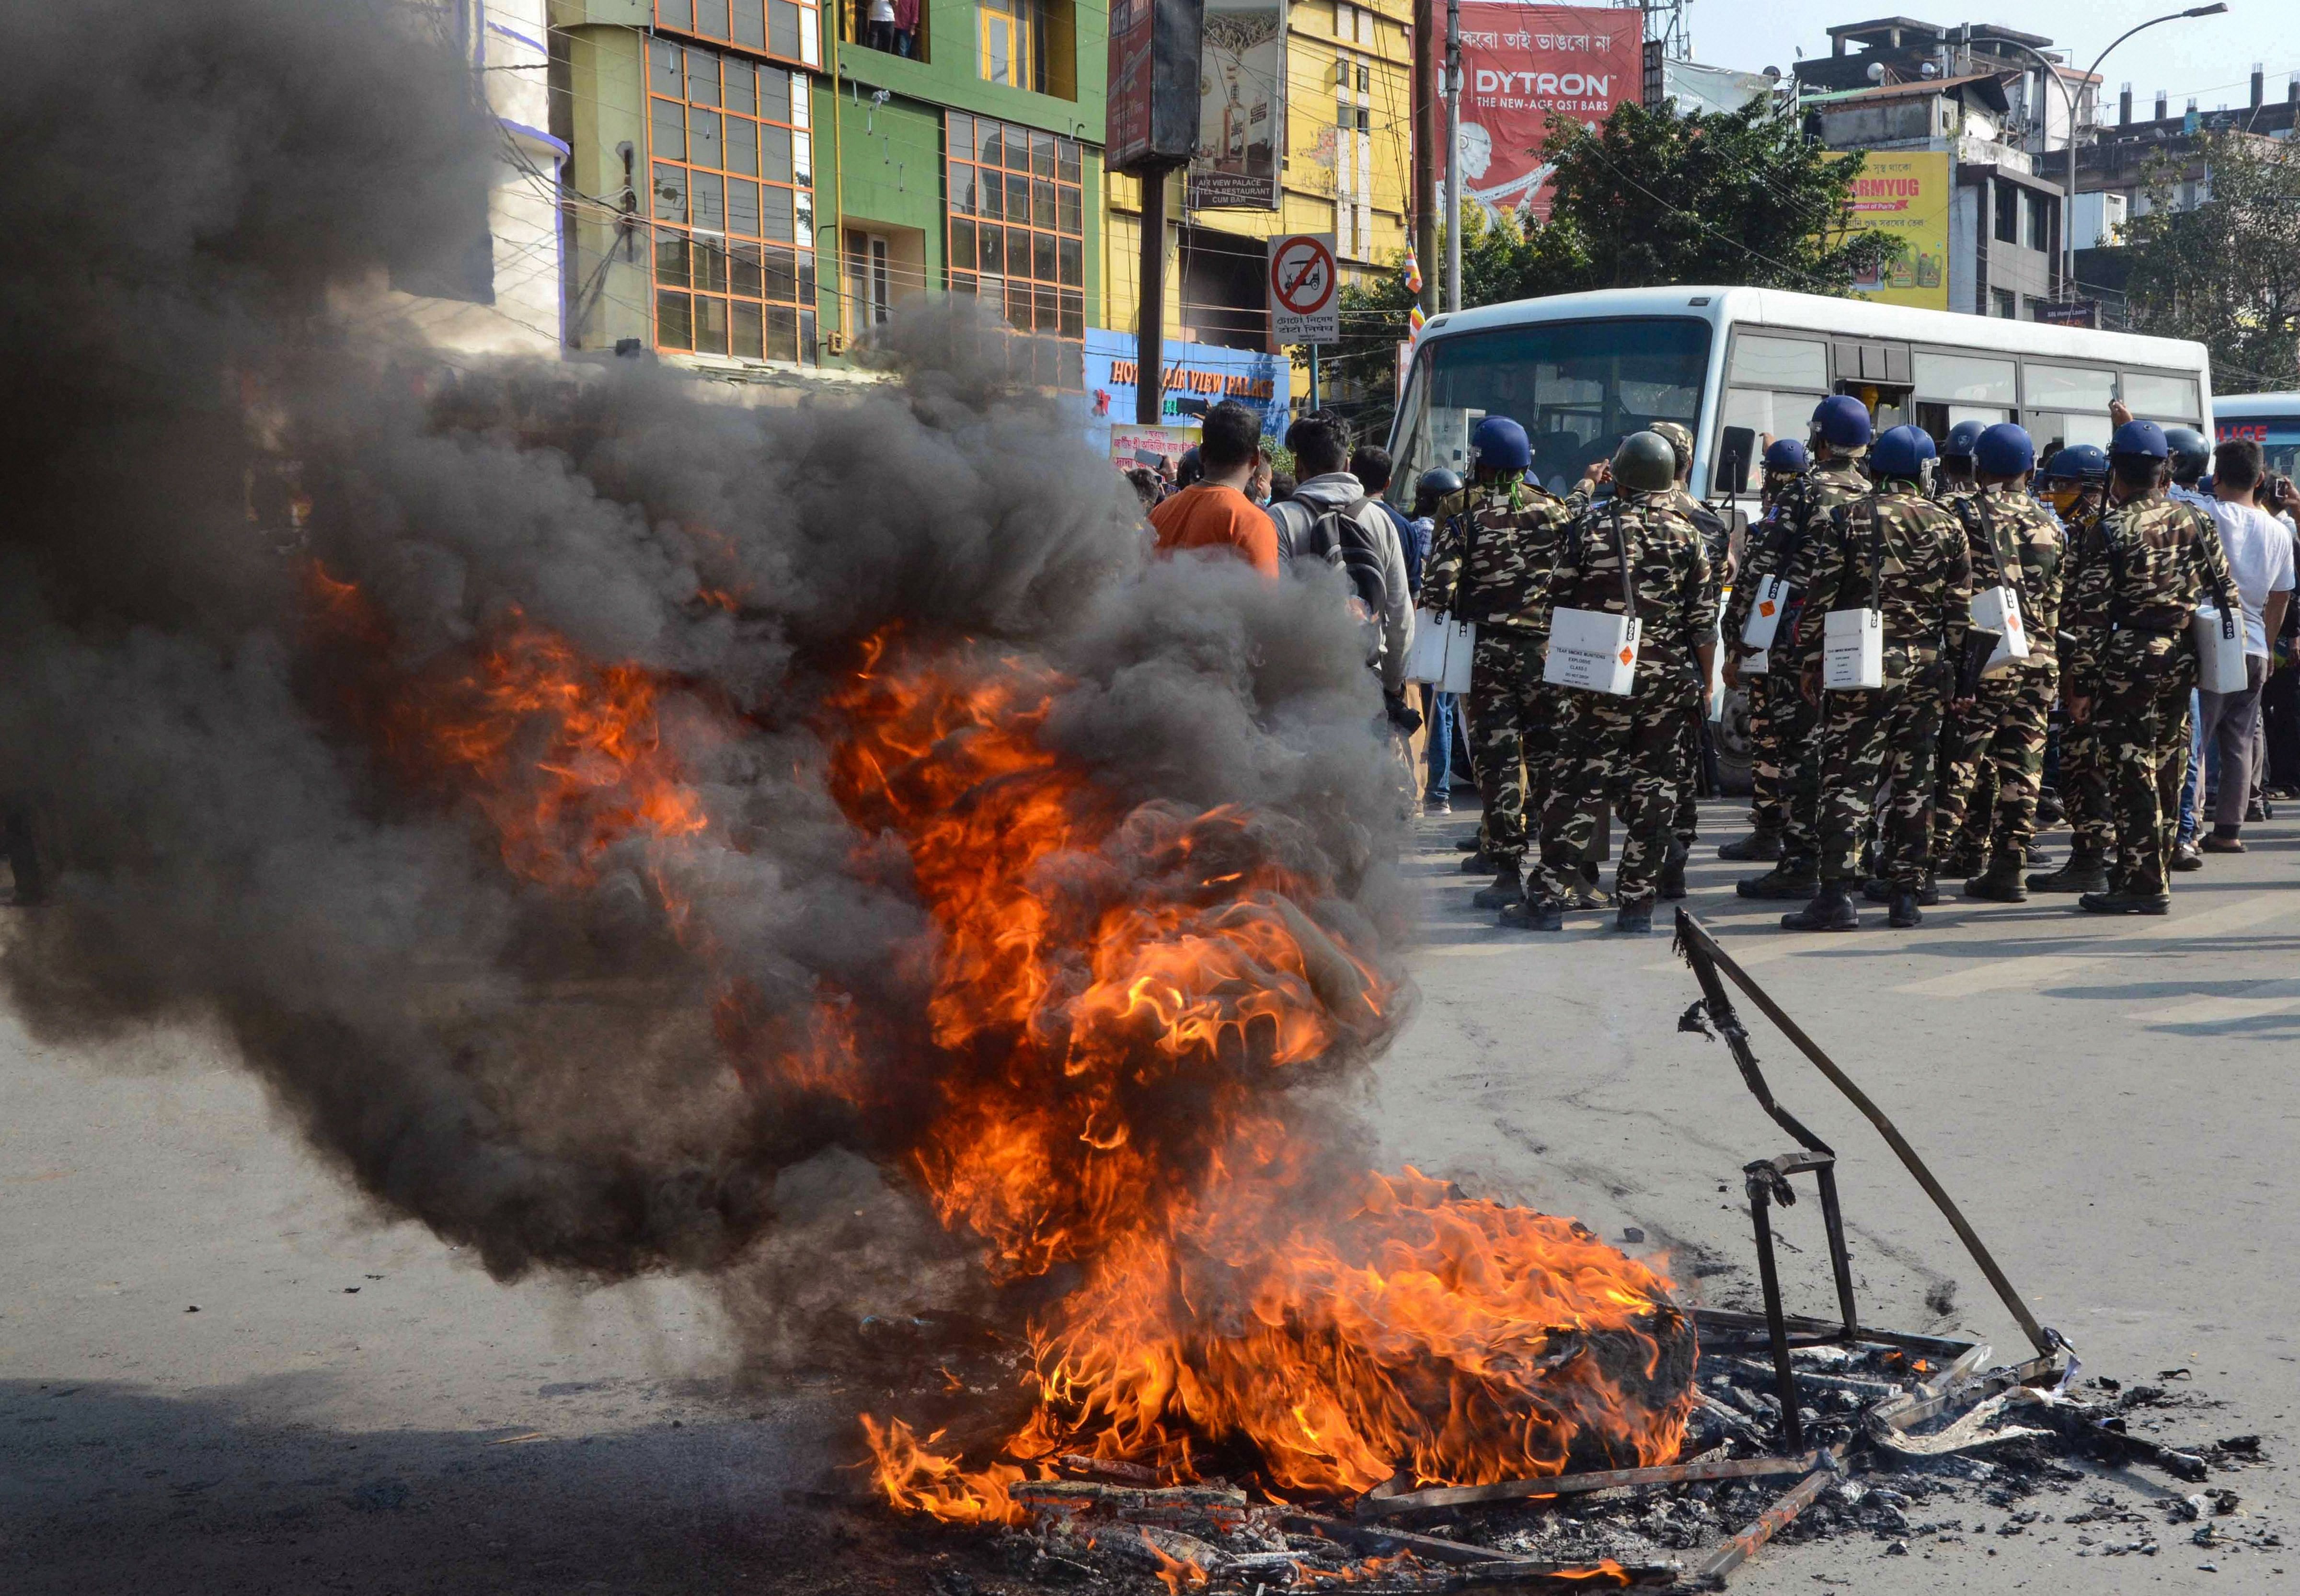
(1305, 289)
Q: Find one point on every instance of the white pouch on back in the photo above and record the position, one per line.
(1591, 650)
(1425, 660)
(1765, 607)
(2220, 651)
(1460, 648)
(1853, 650)
(1997, 610)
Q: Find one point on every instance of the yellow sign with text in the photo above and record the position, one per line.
(1907, 196)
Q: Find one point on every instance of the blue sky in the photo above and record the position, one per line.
(2208, 57)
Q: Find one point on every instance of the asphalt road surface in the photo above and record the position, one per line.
(355, 1407)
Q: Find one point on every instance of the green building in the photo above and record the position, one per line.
(753, 184)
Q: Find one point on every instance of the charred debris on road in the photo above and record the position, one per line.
(1803, 1429)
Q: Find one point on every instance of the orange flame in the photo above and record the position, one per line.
(1117, 998)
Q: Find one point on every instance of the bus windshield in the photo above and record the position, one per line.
(1577, 387)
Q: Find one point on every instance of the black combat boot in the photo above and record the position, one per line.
(1761, 846)
(1904, 913)
(1672, 874)
(1475, 843)
(1831, 909)
(1479, 863)
(1508, 887)
(2000, 883)
(1790, 879)
(2086, 872)
(2124, 900)
(1877, 890)
(1634, 919)
(2049, 812)
(1534, 914)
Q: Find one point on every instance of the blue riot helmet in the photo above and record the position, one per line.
(1786, 455)
(1902, 452)
(2079, 462)
(2142, 438)
(1499, 444)
(2004, 450)
(1843, 422)
(1962, 439)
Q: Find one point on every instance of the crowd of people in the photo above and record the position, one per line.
(1941, 646)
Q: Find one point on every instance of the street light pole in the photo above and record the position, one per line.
(1453, 155)
(2069, 204)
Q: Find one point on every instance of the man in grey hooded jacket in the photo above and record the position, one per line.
(1332, 518)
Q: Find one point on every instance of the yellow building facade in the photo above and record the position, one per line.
(1348, 138)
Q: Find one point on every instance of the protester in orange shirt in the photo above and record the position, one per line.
(1216, 513)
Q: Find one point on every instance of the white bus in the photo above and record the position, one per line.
(2272, 420)
(1580, 371)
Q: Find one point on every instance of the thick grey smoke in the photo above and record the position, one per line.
(528, 1067)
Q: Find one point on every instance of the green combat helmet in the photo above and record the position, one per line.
(1645, 463)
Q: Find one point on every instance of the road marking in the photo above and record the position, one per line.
(2009, 971)
(2260, 998)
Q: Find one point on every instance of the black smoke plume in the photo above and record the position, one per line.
(205, 198)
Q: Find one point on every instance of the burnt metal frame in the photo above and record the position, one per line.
(1768, 1183)
(1700, 950)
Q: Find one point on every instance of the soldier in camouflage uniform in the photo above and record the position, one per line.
(1841, 427)
(2125, 632)
(1896, 552)
(1716, 543)
(1489, 565)
(1630, 743)
(1787, 462)
(2075, 486)
(2011, 540)
(1954, 484)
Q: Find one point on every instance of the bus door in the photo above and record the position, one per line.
(1877, 373)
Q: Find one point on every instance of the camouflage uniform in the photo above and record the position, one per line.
(2009, 536)
(1716, 545)
(1489, 565)
(1978, 792)
(2126, 632)
(1630, 743)
(1786, 780)
(2083, 776)
(1923, 584)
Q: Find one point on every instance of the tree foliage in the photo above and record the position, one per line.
(1738, 197)
(2226, 272)
(1646, 199)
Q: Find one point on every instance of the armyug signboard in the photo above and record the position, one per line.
(1907, 196)
(1305, 289)
(1241, 107)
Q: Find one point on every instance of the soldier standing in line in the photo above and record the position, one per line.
(1842, 431)
(1634, 554)
(2013, 542)
(1955, 479)
(2075, 485)
(1489, 565)
(1953, 485)
(2127, 638)
(1716, 543)
(1786, 462)
(1896, 552)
